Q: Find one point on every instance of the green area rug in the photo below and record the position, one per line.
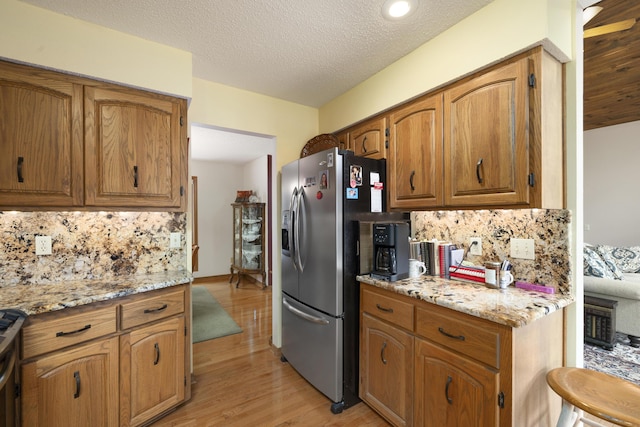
(209, 318)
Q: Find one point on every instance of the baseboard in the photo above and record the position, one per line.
(211, 278)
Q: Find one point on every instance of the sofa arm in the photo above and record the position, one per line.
(628, 288)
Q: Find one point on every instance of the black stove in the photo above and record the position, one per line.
(11, 321)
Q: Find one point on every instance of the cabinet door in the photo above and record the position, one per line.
(152, 375)
(369, 139)
(133, 148)
(452, 391)
(78, 387)
(415, 154)
(486, 142)
(41, 138)
(386, 370)
(343, 141)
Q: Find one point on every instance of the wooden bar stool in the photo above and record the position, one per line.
(604, 396)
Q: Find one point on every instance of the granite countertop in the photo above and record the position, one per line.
(511, 307)
(43, 298)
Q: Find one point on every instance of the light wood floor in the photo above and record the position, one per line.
(240, 380)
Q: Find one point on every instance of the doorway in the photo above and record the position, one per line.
(225, 161)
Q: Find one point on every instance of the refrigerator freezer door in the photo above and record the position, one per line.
(312, 343)
(320, 231)
(289, 188)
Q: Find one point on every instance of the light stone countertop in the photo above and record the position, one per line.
(43, 298)
(511, 307)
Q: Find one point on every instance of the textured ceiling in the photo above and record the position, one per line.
(304, 51)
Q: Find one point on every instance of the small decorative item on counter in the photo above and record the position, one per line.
(467, 272)
(535, 287)
(492, 273)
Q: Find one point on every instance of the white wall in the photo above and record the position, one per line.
(217, 186)
(611, 177)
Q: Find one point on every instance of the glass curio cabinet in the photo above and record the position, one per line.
(248, 241)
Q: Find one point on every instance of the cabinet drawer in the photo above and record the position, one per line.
(479, 341)
(387, 308)
(46, 334)
(149, 308)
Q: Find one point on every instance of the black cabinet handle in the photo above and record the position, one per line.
(384, 345)
(62, 334)
(157, 356)
(135, 176)
(155, 310)
(364, 147)
(478, 170)
(446, 390)
(455, 337)
(20, 162)
(76, 376)
(381, 308)
(413, 173)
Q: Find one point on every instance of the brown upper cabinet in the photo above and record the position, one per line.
(492, 140)
(40, 138)
(75, 142)
(132, 148)
(486, 142)
(415, 154)
(502, 147)
(343, 140)
(369, 139)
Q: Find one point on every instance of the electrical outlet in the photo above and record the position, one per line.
(174, 241)
(475, 249)
(43, 245)
(523, 249)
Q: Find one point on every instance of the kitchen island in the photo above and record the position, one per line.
(104, 352)
(441, 352)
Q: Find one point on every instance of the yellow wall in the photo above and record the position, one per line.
(495, 32)
(224, 106)
(37, 36)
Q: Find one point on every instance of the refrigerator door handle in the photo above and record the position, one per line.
(291, 229)
(304, 315)
(296, 234)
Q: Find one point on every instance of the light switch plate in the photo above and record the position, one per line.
(523, 249)
(174, 241)
(43, 245)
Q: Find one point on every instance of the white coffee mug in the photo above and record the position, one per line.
(416, 268)
(506, 278)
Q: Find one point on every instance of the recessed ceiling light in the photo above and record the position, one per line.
(396, 9)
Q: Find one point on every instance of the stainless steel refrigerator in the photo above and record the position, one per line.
(324, 197)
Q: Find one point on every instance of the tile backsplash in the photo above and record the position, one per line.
(88, 245)
(549, 228)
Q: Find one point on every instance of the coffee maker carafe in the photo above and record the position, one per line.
(390, 251)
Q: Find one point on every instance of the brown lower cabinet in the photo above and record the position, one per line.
(416, 370)
(77, 387)
(123, 362)
(387, 357)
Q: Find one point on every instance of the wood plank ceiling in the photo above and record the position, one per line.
(612, 68)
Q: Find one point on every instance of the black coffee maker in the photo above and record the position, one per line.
(390, 251)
